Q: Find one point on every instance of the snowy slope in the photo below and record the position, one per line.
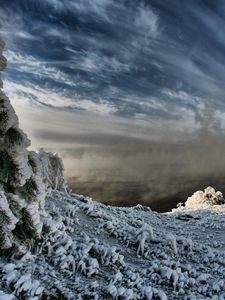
(92, 251)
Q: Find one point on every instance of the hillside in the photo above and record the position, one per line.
(92, 251)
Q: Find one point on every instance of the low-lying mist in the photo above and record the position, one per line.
(124, 163)
(157, 174)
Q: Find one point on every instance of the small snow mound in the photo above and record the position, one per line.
(204, 198)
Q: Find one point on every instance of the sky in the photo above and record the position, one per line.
(125, 91)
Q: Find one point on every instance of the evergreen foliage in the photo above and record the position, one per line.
(13, 137)
(25, 178)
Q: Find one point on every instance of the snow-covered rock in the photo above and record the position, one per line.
(205, 198)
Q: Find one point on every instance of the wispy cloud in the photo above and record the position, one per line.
(27, 64)
(147, 22)
(145, 60)
(55, 98)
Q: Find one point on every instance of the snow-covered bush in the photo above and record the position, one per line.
(204, 198)
(52, 170)
(2, 59)
(145, 233)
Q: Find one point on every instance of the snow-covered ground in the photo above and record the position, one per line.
(92, 251)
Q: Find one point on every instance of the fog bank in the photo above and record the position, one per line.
(123, 162)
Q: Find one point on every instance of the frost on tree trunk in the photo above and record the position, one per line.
(25, 177)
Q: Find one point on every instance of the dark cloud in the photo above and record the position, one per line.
(123, 53)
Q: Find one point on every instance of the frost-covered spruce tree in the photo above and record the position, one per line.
(19, 201)
(22, 190)
(52, 170)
